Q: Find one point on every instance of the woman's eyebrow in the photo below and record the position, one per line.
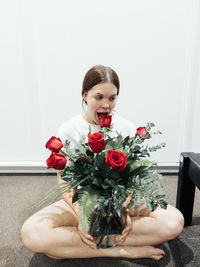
(102, 95)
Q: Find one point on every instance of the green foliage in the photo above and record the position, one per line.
(87, 200)
(54, 194)
(88, 173)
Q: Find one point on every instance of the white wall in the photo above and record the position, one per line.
(47, 46)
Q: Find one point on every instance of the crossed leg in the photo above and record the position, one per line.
(159, 226)
(53, 231)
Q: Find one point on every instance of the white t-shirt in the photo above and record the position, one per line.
(77, 127)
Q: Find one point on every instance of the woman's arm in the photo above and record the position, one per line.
(67, 196)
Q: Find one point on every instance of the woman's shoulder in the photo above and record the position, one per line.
(68, 128)
(70, 122)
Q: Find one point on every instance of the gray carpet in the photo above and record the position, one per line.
(19, 192)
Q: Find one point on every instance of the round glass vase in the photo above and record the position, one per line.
(105, 225)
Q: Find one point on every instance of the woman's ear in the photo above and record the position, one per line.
(85, 97)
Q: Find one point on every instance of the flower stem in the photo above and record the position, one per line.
(103, 235)
(66, 154)
(104, 131)
(71, 187)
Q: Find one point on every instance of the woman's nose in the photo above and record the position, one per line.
(105, 104)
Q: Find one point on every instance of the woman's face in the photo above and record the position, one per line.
(100, 99)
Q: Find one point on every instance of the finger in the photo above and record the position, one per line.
(128, 221)
(129, 226)
(85, 235)
(124, 235)
(92, 245)
(90, 237)
(89, 243)
(125, 231)
(121, 241)
(127, 211)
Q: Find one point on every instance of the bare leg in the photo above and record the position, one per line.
(46, 232)
(161, 225)
(78, 249)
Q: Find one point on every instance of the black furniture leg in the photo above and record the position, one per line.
(185, 190)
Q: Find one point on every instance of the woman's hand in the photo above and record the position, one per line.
(127, 201)
(86, 238)
(127, 229)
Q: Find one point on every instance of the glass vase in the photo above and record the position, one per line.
(105, 225)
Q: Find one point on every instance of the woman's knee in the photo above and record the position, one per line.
(32, 235)
(173, 226)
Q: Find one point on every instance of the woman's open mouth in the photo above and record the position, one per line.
(102, 113)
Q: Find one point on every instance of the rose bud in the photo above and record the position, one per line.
(54, 144)
(96, 142)
(56, 161)
(105, 120)
(140, 131)
(116, 160)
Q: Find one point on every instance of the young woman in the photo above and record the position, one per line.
(55, 230)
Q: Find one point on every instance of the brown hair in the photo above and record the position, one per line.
(99, 74)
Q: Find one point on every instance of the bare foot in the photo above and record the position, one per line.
(138, 252)
(119, 251)
(152, 252)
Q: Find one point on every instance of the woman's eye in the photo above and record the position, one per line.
(99, 97)
(112, 98)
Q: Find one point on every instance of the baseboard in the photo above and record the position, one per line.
(33, 167)
(168, 168)
(39, 167)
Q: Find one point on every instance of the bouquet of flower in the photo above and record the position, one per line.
(104, 172)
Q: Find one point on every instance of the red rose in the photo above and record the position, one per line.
(140, 131)
(96, 142)
(56, 161)
(54, 144)
(105, 120)
(116, 160)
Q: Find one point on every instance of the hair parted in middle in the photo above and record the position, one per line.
(99, 74)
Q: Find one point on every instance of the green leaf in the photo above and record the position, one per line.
(68, 176)
(138, 203)
(160, 196)
(77, 144)
(89, 152)
(87, 199)
(154, 206)
(51, 197)
(83, 167)
(163, 204)
(139, 170)
(75, 197)
(148, 204)
(96, 181)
